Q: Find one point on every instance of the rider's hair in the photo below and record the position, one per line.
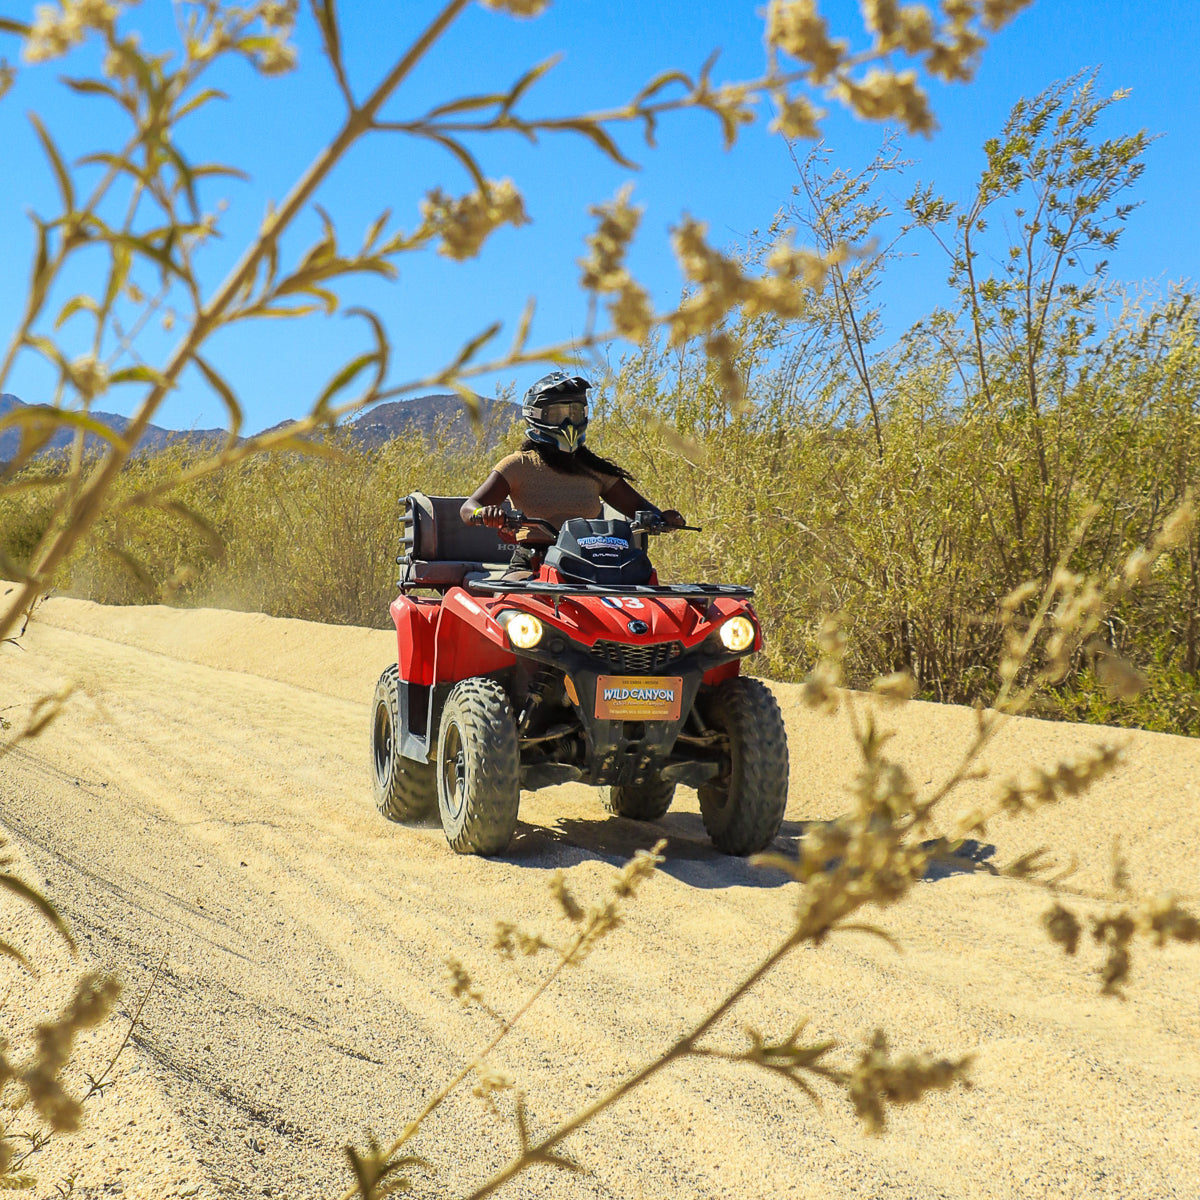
(583, 460)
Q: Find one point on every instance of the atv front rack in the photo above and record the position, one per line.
(670, 591)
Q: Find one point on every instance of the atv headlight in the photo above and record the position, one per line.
(737, 634)
(524, 630)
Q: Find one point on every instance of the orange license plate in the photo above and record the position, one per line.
(638, 698)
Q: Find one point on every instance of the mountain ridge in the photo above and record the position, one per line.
(373, 428)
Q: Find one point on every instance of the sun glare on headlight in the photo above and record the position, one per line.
(737, 634)
(524, 631)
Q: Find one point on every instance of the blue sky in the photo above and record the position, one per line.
(273, 128)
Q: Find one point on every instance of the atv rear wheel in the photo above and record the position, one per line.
(639, 801)
(403, 787)
(478, 768)
(743, 807)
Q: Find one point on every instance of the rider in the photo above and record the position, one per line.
(553, 475)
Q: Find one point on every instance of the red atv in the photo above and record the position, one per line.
(590, 671)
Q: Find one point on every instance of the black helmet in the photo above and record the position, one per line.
(555, 410)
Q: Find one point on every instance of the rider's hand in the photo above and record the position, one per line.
(491, 515)
(673, 518)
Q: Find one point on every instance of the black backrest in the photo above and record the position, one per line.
(435, 532)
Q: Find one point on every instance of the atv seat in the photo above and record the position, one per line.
(440, 551)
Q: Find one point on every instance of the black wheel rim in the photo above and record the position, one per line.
(454, 772)
(382, 741)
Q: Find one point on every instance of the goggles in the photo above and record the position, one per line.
(559, 411)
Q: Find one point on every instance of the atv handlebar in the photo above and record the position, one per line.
(649, 520)
(646, 520)
(518, 520)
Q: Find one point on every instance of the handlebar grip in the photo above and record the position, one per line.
(512, 520)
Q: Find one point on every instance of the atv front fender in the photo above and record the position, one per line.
(469, 641)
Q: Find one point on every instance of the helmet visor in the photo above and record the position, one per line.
(559, 411)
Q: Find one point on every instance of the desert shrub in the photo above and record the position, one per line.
(24, 520)
(917, 547)
(1043, 420)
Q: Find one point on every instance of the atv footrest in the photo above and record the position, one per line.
(547, 774)
(691, 774)
(686, 591)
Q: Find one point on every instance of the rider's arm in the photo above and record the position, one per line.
(624, 497)
(486, 500)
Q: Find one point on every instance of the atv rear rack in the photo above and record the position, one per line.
(675, 591)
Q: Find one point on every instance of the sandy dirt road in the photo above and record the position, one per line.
(206, 798)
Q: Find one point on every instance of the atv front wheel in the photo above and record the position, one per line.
(639, 801)
(478, 768)
(404, 788)
(743, 806)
